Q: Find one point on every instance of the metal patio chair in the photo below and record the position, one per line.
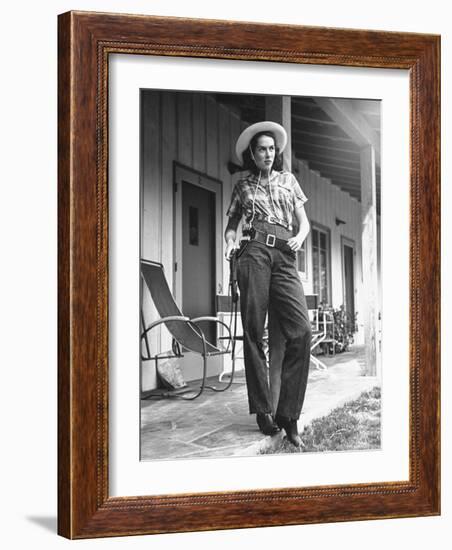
(319, 324)
(186, 333)
(228, 309)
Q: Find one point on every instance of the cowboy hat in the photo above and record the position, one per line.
(247, 135)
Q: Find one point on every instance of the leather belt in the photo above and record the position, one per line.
(271, 219)
(271, 240)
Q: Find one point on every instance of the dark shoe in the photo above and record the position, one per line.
(266, 423)
(290, 427)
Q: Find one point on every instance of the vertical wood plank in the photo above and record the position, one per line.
(235, 130)
(327, 204)
(212, 139)
(168, 132)
(278, 109)
(199, 132)
(224, 175)
(335, 245)
(359, 271)
(329, 221)
(151, 174)
(169, 154)
(184, 128)
(151, 220)
(314, 196)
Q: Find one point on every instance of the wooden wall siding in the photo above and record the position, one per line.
(151, 219)
(169, 151)
(325, 203)
(212, 137)
(198, 127)
(194, 130)
(184, 129)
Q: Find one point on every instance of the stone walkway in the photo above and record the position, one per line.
(218, 424)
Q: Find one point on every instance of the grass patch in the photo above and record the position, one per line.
(354, 426)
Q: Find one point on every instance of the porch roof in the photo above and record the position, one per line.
(319, 138)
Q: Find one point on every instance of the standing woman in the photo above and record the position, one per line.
(271, 201)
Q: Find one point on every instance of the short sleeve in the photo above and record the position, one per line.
(235, 208)
(299, 197)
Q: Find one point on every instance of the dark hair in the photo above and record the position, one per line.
(248, 162)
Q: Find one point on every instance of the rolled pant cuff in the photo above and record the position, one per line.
(288, 415)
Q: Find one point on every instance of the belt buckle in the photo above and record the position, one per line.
(270, 240)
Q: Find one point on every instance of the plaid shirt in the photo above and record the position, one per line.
(286, 195)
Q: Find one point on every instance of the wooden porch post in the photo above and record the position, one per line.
(369, 256)
(346, 114)
(278, 109)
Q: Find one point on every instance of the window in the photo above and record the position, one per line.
(321, 264)
(302, 260)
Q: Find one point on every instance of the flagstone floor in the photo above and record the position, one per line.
(218, 424)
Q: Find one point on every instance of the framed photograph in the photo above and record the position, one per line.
(248, 275)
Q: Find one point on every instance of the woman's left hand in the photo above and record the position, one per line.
(295, 243)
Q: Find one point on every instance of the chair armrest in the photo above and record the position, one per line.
(330, 315)
(215, 320)
(205, 318)
(165, 319)
(327, 318)
(177, 318)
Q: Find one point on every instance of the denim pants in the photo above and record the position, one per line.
(268, 277)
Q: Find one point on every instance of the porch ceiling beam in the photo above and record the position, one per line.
(347, 187)
(344, 113)
(345, 184)
(301, 143)
(278, 108)
(330, 165)
(304, 118)
(337, 161)
(309, 157)
(335, 169)
(304, 103)
(373, 120)
(340, 181)
(321, 162)
(336, 174)
(351, 187)
(368, 107)
(351, 190)
(326, 136)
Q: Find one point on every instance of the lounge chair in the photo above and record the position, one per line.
(186, 333)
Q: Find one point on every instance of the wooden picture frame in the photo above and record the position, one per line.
(85, 508)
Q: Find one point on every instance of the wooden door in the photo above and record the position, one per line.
(198, 254)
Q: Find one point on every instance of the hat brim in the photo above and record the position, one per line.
(247, 135)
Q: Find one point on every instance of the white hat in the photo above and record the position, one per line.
(247, 135)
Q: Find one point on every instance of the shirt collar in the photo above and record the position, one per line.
(254, 178)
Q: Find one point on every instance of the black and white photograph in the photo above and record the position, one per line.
(260, 269)
(222, 319)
